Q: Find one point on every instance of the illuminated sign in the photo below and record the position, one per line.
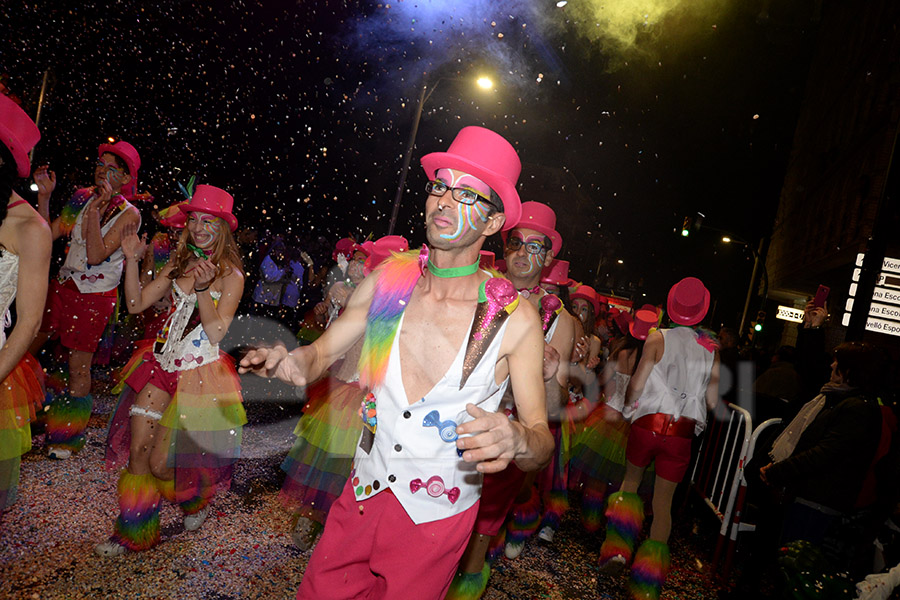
(788, 313)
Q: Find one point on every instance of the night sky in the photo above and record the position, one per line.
(303, 109)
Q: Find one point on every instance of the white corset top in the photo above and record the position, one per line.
(182, 352)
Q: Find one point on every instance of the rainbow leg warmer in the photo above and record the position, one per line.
(648, 573)
(137, 527)
(624, 519)
(524, 520)
(9, 481)
(66, 419)
(495, 548)
(194, 489)
(469, 586)
(592, 503)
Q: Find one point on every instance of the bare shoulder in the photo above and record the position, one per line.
(31, 232)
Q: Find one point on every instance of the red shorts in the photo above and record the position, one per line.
(672, 453)
(371, 549)
(498, 492)
(78, 318)
(151, 373)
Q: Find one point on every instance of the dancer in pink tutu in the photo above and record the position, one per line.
(178, 422)
(443, 339)
(24, 265)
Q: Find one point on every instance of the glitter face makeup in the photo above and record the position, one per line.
(467, 215)
(522, 261)
(205, 228)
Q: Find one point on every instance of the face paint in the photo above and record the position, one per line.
(533, 261)
(467, 215)
(581, 308)
(205, 229)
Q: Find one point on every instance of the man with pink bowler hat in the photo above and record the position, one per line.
(676, 382)
(82, 298)
(435, 378)
(529, 247)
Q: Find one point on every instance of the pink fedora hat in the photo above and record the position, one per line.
(586, 292)
(488, 156)
(688, 301)
(211, 200)
(19, 134)
(557, 273)
(644, 322)
(486, 259)
(542, 219)
(380, 250)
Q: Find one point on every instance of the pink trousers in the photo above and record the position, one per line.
(372, 549)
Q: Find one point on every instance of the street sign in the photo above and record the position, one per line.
(884, 310)
(882, 326)
(788, 313)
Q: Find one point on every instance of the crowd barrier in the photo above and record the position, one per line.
(718, 476)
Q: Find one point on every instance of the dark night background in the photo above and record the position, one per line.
(303, 109)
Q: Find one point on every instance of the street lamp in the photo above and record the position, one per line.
(424, 94)
(756, 262)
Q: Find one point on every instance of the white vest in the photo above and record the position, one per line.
(185, 352)
(414, 451)
(677, 384)
(93, 278)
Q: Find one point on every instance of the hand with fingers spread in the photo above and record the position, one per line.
(494, 439)
(45, 179)
(133, 246)
(275, 362)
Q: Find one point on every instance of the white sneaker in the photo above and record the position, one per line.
(546, 533)
(110, 549)
(513, 550)
(59, 453)
(195, 521)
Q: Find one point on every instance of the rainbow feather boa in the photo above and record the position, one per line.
(70, 211)
(397, 277)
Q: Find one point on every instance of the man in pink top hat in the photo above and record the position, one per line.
(82, 299)
(675, 383)
(435, 378)
(530, 246)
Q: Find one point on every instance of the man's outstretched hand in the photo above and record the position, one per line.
(494, 440)
(273, 362)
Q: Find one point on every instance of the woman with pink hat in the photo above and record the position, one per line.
(24, 265)
(675, 384)
(318, 464)
(179, 417)
(598, 456)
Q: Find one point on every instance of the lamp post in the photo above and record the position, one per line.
(756, 262)
(424, 94)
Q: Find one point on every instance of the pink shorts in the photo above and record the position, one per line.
(79, 319)
(498, 492)
(371, 549)
(151, 373)
(672, 453)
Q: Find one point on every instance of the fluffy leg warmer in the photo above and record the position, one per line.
(524, 520)
(137, 527)
(592, 502)
(469, 586)
(624, 519)
(66, 419)
(648, 573)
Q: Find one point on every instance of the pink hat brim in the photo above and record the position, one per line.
(228, 217)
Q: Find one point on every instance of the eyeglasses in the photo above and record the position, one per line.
(513, 244)
(462, 195)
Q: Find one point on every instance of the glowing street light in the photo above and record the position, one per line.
(424, 94)
(726, 239)
(561, 3)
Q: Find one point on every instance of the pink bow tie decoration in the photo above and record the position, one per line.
(434, 487)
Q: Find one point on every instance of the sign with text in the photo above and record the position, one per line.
(882, 326)
(788, 313)
(884, 311)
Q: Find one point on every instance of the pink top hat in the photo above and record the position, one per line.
(542, 219)
(557, 273)
(346, 246)
(586, 292)
(486, 259)
(623, 321)
(500, 265)
(688, 301)
(126, 152)
(644, 321)
(214, 201)
(651, 308)
(489, 157)
(381, 249)
(19, 134)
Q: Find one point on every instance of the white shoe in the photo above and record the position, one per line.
(513, 550)
(195, 521)
(110, 549)
(59, 453)
(546, 533)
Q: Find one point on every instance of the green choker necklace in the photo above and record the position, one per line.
(452, 271)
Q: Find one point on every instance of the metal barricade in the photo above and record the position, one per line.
(719, 470)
